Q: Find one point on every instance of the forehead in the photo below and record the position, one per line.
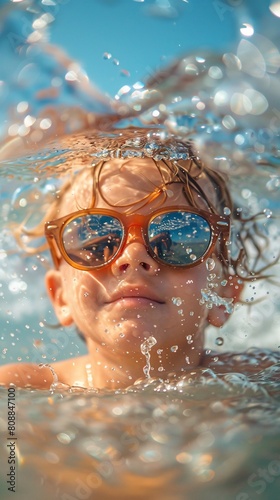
(124, 182)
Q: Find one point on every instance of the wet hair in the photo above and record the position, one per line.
(177, 162)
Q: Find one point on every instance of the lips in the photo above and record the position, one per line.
(135, 292)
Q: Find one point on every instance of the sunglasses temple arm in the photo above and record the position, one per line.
(54, 250)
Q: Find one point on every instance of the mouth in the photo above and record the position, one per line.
(134, 297)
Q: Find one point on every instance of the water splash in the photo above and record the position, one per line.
(211, 298)
(146, 347)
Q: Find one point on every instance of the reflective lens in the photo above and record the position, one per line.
(92, 240)
(179, 238)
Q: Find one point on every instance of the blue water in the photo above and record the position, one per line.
(210, 434)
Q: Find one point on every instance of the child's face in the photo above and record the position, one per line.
(119, 306)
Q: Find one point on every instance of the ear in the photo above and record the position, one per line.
(54, 286)
(218, 316)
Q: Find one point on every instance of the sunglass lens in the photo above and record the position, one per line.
(179, 238)
(92, 240)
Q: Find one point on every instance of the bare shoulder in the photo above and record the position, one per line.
(69, 371)
(72, 371)
(26, 375)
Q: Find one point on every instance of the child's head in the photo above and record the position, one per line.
(126, 277)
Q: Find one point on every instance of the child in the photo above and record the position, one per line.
(139, 239)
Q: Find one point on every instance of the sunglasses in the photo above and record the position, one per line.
(176, 237)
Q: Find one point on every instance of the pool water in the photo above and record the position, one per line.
(205, 436)
(211, 433)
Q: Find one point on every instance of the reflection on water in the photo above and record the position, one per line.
(203, 436)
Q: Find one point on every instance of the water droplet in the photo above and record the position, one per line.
(268, 213)
(210, 298)
(219, 341)
(177, 301)
(215, 72)
(107, 55)
(211, 277)
(247, 29)
(174, 348)
(227, 211)
(210, 264)
(125, 72)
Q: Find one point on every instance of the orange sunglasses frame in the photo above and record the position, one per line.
(219, 224)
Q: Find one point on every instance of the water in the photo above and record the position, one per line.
(212, 433)
(205, 436)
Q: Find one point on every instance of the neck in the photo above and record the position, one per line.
(105, 371)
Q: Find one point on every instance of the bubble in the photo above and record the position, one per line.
(275, 8)
(215, 72)
(125, 72)
(227, 211)
(268, 213)
(177, 301)
(17, 286)
(219, 341)
(211, 277)
(240, 104)
(273, 184)
(247, 30)
(229, 122)
(107, 55)
(22, 202)
(246, 193)
(174, 348)
(210, 264)
(239, 139)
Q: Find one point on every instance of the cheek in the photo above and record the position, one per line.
(185, 290)
(79, 288)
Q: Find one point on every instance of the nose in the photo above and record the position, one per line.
(134, 257)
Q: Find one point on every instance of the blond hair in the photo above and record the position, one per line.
(176, 161)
